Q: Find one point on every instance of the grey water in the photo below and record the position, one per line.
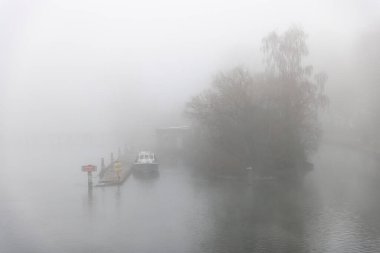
(45, 206)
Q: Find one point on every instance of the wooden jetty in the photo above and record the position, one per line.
(115, 173)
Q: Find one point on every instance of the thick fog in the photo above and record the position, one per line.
(81, 79)
(80, 66)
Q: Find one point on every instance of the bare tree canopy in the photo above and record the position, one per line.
(264, 120)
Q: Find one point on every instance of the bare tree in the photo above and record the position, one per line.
(299, 94)
(267, 120)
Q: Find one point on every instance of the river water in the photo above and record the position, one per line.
(45, 206)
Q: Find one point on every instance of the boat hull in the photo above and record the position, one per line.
(145, 167)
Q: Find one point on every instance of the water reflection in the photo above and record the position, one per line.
(90, 197)
(118, 197)
(118, 193)
(147, 176)
(262, 218)
(174, 210)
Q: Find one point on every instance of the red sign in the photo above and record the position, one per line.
(88, 168)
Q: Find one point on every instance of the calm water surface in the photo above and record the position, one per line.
(45, 207)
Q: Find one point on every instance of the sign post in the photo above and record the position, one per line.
(89, 169)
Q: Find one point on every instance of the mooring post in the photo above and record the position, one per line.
(103, 166)
(89, 173)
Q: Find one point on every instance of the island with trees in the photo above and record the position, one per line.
(267, 121)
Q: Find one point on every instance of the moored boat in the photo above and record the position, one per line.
(146, 161)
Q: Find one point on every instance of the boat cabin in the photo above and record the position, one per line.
(146, 157)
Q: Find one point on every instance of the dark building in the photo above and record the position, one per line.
(171, 141)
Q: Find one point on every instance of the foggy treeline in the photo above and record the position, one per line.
(368, 52)
(352, 118)
(263, 121)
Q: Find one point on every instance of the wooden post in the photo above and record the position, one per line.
(103, 166)
(89, 173)
(117, 168)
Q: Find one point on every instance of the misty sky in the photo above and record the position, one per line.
(97, 66)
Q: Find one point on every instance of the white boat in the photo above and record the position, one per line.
(146, 161)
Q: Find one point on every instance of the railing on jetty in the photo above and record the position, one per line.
(116, 172)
